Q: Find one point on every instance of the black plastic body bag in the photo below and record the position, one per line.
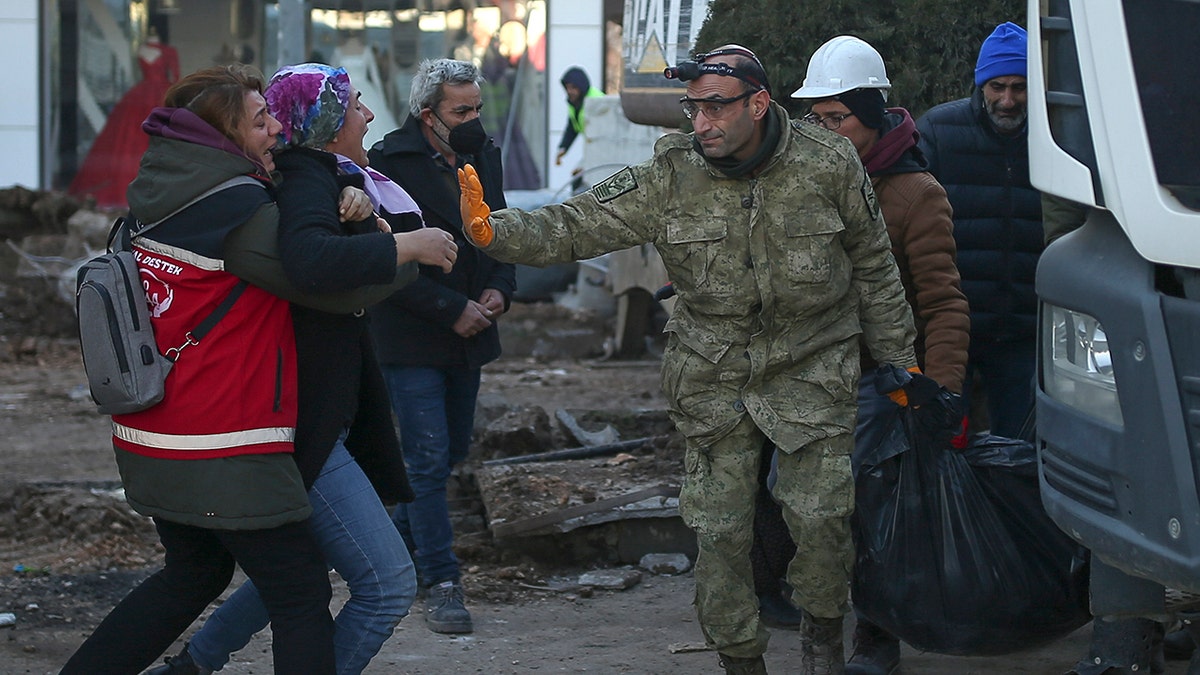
(955, 553)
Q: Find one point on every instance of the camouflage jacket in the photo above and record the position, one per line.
(776, 278)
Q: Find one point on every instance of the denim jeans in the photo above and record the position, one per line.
(436, 409)
(358, 540)
(1006, 370)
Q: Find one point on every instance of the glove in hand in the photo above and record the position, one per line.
(936, 411)
(921, 389)
(941, 417)
(475, 212)
(900, 382)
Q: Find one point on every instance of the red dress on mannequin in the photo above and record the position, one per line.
(113, 159)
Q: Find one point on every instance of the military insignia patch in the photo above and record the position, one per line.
(869, 197)
(615, 185)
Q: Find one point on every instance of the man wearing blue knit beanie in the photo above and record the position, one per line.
(1000, 72)
(978, 150)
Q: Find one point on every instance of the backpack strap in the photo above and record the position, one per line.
(119, 238)
(143, 228)
(195, 335)
(122, 236)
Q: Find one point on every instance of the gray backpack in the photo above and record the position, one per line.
(125, 371)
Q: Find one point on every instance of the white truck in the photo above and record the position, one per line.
(1114, 125)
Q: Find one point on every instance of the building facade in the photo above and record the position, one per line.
(85, 72)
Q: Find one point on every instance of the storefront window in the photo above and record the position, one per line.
(95, 74)
(111, 61)
(505, 38)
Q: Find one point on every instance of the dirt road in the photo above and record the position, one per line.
(81, 550)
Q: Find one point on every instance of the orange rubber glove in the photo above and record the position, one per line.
(475, 212)
(900, 397)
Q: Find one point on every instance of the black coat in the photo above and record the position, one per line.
(414, 327)
(997, 216)
(340, 382)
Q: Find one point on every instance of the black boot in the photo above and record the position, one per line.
(737, 665)
(180, 664)
(876, 651)
(775, 611)
(1191, 623)
(1178, 645)
(821, 646)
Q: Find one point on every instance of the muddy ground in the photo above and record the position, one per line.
(70, 548)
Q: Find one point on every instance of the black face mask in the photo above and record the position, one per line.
(468, 138)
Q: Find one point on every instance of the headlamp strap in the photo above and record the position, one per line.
(694, 68)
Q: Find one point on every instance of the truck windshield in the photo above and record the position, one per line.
(1163, 42)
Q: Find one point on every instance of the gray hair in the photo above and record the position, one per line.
(427, 84)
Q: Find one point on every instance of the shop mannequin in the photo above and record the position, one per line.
(112, 161)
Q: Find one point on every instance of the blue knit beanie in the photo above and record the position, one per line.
(1003, 53)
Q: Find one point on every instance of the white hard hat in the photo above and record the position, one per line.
(842, 64)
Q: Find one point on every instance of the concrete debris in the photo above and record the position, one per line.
(612, 580)
(605, 436)
(665, 563)
(518, 432)
(687, 647)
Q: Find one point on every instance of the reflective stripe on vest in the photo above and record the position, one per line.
(229, 440)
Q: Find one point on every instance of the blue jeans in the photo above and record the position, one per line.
(1007, 370)
(436, 409)
(358, 540)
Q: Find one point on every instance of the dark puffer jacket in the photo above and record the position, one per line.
(997, 216)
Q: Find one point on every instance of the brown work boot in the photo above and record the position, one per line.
(876, 652)
(738, 665)
(821, 646)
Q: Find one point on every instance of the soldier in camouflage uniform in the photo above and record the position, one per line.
(771, 234)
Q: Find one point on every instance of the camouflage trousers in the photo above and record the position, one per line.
(816, 491)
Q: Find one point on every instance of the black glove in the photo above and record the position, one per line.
(918, 388)
(922, 389)
(939, 418)
(935, 411)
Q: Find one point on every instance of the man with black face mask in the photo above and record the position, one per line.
(434, 335)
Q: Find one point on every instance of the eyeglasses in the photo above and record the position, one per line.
(830, 122)
(712, 108)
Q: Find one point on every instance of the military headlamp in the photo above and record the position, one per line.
(687, 71)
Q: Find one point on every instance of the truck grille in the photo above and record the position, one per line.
(1076, 482)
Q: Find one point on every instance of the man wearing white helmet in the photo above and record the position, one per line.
(847, 84)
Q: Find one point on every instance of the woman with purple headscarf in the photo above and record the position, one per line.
(346, 445)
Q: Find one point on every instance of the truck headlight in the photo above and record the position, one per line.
(1077, 366)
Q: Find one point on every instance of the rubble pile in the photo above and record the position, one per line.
(73, 527)
(44, 237)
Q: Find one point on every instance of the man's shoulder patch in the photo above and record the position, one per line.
(615, 185)
(868, 193)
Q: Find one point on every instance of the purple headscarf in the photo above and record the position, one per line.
(310, 101)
